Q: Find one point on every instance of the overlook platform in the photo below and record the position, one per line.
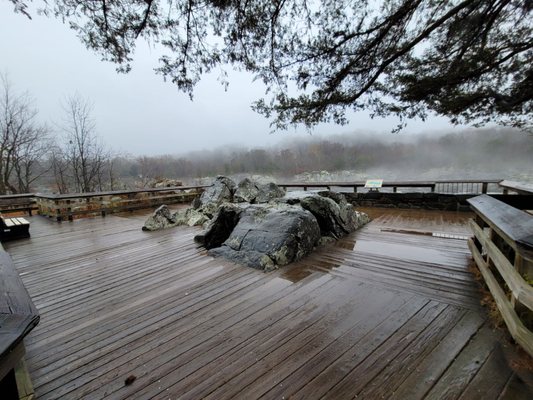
(391, 311)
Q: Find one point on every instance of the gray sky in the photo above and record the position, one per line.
(138, 113)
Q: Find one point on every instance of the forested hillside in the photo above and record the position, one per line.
(470, 153)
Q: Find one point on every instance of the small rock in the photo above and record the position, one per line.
(162, 218)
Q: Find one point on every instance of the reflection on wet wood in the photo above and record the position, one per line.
(380, 314)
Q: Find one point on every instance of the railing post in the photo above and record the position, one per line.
(484, 187)
(58, 211)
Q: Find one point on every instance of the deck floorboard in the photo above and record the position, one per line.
(390, 311)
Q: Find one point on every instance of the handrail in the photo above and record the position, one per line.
(116, 192)
(503, 242)
(432, 185)
(67, 206)
(32, 201)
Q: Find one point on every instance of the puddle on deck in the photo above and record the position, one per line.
(411, 235)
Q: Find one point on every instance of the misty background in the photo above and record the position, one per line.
(469, 154)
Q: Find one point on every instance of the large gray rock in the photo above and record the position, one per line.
(162, 218)
(246, 191)
(261, 236)
(220, 226)
(256, 193)
(336, 217)
(219, 192)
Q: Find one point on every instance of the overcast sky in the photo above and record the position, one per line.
(139, 113)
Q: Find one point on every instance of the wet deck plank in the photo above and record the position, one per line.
(390, 311)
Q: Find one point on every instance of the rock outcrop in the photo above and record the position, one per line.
(260, 226)
(261, 236)
(334, 214)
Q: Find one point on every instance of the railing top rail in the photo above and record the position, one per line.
(282, 184)
(17, 196)
(358, 183)
(520, 187)
(114, 192)
(389, 183)
(514, 225)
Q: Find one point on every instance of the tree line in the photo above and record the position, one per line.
(466, 153)
(74, 161)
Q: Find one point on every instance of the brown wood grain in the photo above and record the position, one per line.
(380, 312)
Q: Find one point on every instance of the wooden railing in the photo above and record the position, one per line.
(75, 205)
(502, 248)
(70, 206)
(18, 203)
(476, 186)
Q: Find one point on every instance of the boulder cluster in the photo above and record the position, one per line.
(261, 226)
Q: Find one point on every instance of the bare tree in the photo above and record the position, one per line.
(23, 140)
(59, 165)
(84, 151)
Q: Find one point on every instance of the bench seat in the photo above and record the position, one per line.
(14, 228)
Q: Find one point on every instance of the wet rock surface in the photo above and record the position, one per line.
(261, 226)
(262, 236)
(257, 193)
(219, 192)
(162, 218)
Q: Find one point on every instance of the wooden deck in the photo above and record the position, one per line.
(389, 312)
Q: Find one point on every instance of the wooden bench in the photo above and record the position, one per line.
(518, 187)
(14, 228)
(18, 316)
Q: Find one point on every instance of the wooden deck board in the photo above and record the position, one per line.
(390, 311)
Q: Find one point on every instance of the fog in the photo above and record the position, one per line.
(468, 154)
(138, 113)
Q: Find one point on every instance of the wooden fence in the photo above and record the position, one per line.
(476, 186)
(502, 248)
(76, 205)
